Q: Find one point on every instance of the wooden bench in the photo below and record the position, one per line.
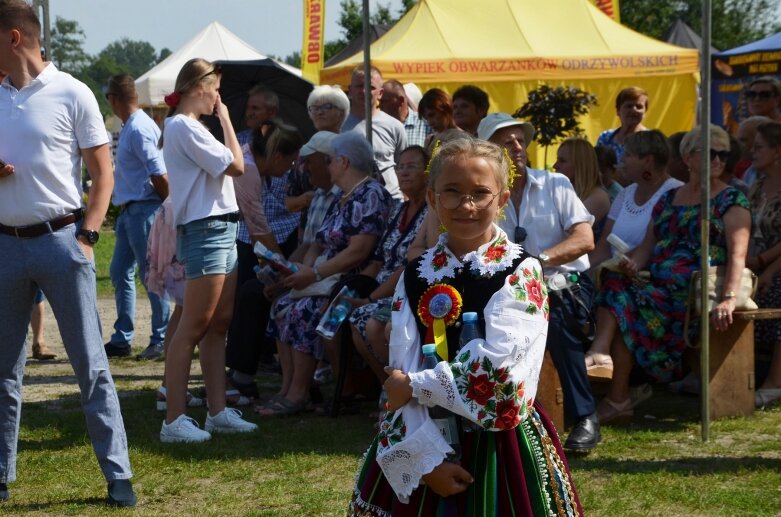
(550, 394)
(732, 364)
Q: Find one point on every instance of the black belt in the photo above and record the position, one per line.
(36, 230)
(232, 217)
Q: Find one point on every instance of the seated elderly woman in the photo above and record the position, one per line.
(645, 161)
(349, 234)
(368, 319)
(644, 319)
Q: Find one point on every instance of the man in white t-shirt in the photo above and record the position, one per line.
(49, 122)
(545, 215)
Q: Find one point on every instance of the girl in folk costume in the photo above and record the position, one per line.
(511, 461)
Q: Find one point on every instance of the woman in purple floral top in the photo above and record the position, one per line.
(371, 314)
(344, 243)
(510, 461)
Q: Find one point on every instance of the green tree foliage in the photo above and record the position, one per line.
(555, 112)
(133, 57)
(734, 22)
(68, 46)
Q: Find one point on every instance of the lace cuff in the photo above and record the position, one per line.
(434, 387)
(405, 464)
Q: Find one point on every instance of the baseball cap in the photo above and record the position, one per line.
(319, 143)
(493, 122)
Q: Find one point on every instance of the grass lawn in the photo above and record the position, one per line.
(305, 465)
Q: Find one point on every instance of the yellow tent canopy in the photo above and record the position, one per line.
(509, 47)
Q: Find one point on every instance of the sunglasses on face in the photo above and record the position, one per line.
(721, 155)
(520, 234)
(763, 94)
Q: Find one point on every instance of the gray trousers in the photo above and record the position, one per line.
(55, 263)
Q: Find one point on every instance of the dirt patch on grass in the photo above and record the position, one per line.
(51, 381)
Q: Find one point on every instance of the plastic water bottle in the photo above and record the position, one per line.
(445, 420)
(336, 313)
(621, 248)
(470, 329)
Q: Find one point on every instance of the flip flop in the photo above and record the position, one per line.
(280, 407)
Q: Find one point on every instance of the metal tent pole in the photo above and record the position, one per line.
(367, 75)
(705, 217)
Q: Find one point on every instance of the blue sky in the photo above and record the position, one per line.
(271, 26)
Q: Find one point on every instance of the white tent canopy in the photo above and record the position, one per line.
(213, 43)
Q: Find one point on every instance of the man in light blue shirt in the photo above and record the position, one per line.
(140, 186)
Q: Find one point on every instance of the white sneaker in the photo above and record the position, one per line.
(183, 430)
(228, 421)
(162, 405)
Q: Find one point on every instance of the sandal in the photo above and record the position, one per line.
(599, 371)
(614, 412)
(689, 385)
(280, 407)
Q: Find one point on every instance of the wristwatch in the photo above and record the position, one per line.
(92, 236)
(544, 259)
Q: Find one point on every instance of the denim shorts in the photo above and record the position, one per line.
(207, 247)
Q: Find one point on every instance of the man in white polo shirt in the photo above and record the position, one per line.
(49, 122)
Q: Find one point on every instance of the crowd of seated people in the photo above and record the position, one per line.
(637, 185)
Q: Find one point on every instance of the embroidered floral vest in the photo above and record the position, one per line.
(476, 290)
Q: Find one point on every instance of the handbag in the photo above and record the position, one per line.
(320, 288)
(746, 289)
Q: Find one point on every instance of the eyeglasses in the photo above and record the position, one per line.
(318, 109)
(762, 94)
(520, 234)
(452, 199)
(410, 167)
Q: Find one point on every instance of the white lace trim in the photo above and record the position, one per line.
(405, 463)
(476, 260)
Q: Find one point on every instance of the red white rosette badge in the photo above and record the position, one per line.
(439, 307)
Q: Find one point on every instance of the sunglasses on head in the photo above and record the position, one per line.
(520, 234)
(763, 94)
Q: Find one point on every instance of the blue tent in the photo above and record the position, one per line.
(732, 71)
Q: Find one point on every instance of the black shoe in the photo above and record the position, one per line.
(249, 389)
(153, 351)
(120, 493)
(584, 435)
(115, 350)
(4, 495)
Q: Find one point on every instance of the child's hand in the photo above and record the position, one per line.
(448, 479)
(397, 388)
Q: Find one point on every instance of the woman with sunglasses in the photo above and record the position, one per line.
(644, 318)
(206, 217)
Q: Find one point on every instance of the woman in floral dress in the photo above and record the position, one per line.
(349, 234)
(368, 319)
(647, 322)
(765, 258)
(511, 461)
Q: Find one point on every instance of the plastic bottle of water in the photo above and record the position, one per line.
(336, 313)
(470, 330)
(445, 420)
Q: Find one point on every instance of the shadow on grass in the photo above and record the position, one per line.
(692, 466)
(18, 509)
(48, 429)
